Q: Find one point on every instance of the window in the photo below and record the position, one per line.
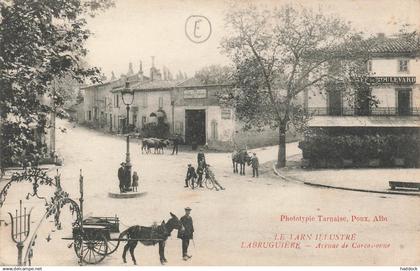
(143, 121)
(89, 115)
(403, 65)
(179, 127)
(160, 102)
(369, 65)
(214, 130)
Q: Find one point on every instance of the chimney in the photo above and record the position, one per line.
(380, 35)
(141, 67)
(113, 76)
(152, 69)
(130, 69)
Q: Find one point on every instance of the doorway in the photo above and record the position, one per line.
(195, 127)
(404, 96)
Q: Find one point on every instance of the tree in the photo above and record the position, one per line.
(278, 55)
(40, 41)
(214, 74)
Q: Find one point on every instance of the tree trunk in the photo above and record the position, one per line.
(281, 157)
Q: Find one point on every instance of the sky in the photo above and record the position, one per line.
(136, 30)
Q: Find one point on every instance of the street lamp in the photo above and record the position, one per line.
(128, 97)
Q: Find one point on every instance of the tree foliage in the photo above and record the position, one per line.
(40, 41)
(214, 75)
(278, 55)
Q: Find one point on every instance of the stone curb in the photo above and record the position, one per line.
(289, 178)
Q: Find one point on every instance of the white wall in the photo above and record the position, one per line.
(385, 96)
(152, 104)
(390, 67)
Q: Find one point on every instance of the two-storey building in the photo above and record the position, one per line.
(393, 70)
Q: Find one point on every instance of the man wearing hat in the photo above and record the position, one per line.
(255, 164)
(201, 157)
(191, 175)
(121, 177)
(187, 234)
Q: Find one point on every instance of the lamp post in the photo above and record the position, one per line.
(128, 97)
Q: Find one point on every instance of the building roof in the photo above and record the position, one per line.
(392, 45)
(195, 82)
(364, 121)
(155, 85)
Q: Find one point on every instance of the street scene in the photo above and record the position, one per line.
(248, 210)
(190, 133)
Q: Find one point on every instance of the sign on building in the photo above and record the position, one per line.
(195, 93)
(387, 79)
(226, 113)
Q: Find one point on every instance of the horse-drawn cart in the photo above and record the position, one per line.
(97, 238)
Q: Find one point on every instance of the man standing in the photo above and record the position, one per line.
(127, 178)
(187, 234)
(200, 172)
(201, 157)
(255, 164)
(121, 177)
(176, 143)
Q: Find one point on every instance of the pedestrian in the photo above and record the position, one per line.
(200, 171)
(127, 178)
(201, 157)
(191, 175)
(255, 165)
(187, 234)
(135, 183)
(210, 175)
(176, 143)
(121, 177)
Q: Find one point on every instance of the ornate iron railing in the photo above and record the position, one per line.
(377, 111)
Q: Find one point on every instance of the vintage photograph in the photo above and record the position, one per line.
(209, 133)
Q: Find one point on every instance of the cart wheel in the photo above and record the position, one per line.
(112, 246)
(209, 184)
(92, 250)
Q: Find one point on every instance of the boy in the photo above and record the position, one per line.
(191, 175)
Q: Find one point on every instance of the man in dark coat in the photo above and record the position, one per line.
(121, 177)
(201, 157)
(200, 172)
(127, 178)
(176, 143)
(191, 175)
(187, 234)
(255, 165)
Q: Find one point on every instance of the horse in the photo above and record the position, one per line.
(150, 236)
(161, 144)
(240, 157)
(157, 144)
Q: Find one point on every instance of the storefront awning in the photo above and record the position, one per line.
(365, 121)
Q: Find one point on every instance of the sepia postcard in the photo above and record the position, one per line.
(209, 133)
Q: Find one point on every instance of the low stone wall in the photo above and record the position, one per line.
(251, 140)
